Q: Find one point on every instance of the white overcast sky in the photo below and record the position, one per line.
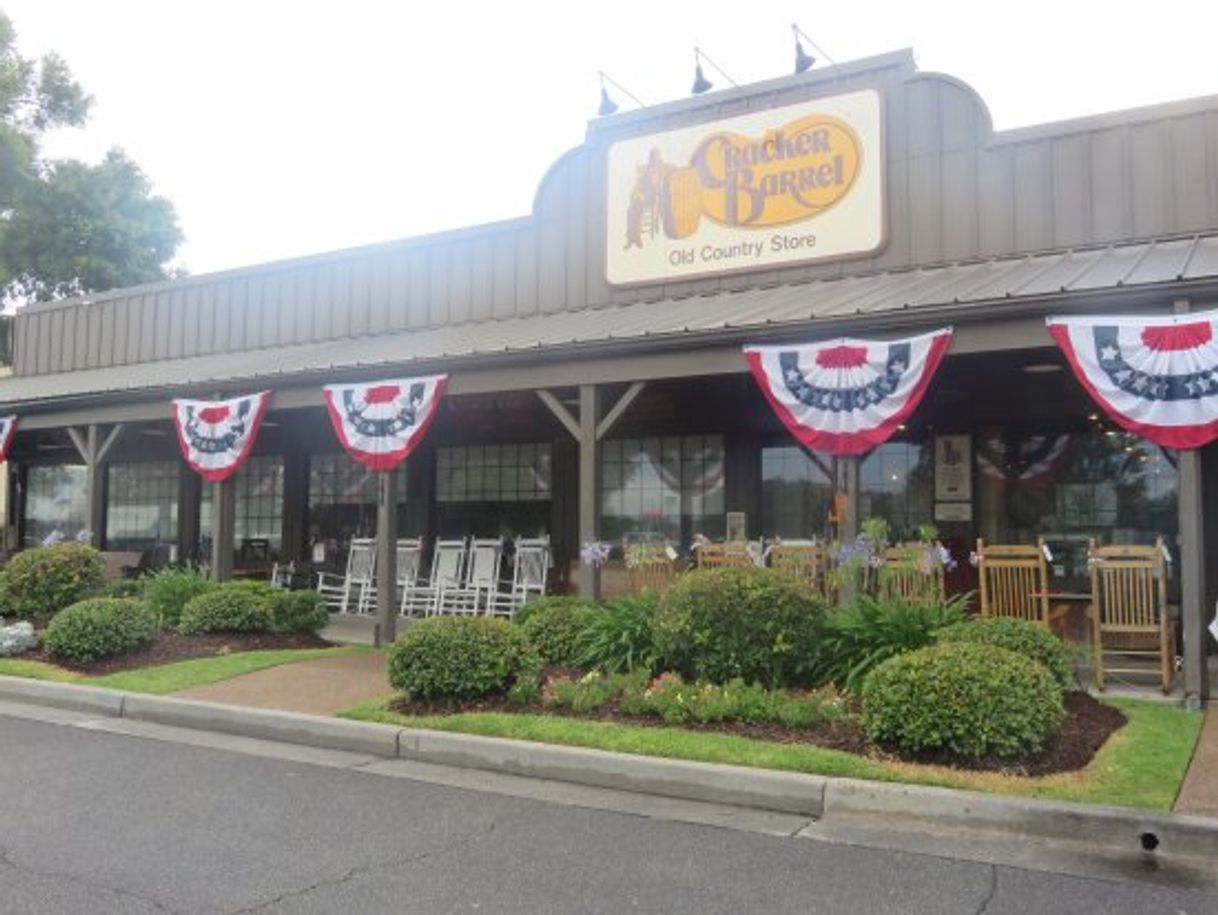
(288, 128)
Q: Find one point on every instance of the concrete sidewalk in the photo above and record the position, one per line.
(322, 687)
(1199, 793)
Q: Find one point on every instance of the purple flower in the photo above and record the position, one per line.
(595, 553)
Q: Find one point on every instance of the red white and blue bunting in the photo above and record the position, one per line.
(380, 422)
(1155, 376)
(8, 426)
(216, 435)
(847, 396)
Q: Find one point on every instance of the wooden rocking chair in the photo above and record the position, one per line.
(1129, 609)
(908, 575)
(1013, 581)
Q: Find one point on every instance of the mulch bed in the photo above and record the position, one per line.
(1087, 726)
(167, 647)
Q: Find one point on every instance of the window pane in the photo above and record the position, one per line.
(54, 501)
(142, 505)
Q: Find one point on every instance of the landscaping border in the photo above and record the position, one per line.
(1111, 829)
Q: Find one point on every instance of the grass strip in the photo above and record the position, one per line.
(36, 670)
(180, 675)
(1141, 766)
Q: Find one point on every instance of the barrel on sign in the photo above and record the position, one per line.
(681, 205)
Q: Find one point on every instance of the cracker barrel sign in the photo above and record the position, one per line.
(793, 184)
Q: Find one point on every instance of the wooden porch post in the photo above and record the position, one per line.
(223, 528)
(847, 469)
(386, 557)
(589, 485)
(1192, 580)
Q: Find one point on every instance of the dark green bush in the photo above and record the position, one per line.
(547, 601)
(37, 583)
(299, 611)
(1020, 636)
(122, 587)
(966, 699)
(168, 590)
(99, 627)
(235, 606)
(555, 628)
(465, 657)
(757, 624)
(871, 630)
(618, 636)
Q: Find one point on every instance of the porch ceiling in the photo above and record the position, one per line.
(820, 307)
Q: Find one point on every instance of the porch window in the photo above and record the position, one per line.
(343, 501)
(259, 516)
(672, 486)
(54, 501)
(142, 505)
(796, 493)
(493, 490)
(896, 483)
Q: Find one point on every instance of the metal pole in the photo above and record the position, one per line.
(1192, 580)
(589, 485)
(386, 557)
(223, 528)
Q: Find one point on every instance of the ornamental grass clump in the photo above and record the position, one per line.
(168, 590)
(99, 627)
(870, 630)
(966, 700)
(1020, 636)
(39, 582)
(759, 625)
(448, 657)
(619, 636)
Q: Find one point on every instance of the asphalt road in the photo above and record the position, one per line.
(95, 822)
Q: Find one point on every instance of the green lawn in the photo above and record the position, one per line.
(1141, 766)
(180, 675)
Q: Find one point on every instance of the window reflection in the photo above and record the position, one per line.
(343, 503)
(142, 506)
(493, 490)
(54, 501)
(896, 483)
(796, 493)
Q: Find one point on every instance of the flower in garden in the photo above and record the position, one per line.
(595, 553)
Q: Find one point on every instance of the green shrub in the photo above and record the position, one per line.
(547, 601)
(235, 606)
(757, 624)
(1020, 636)
(448, 657)
(871, 630)
(592, 691)
(122, 587)
(969, 700)
(555, 629)
(37, 583)
(99, 627)
(169, 590)
(299, 611)
(618, 636)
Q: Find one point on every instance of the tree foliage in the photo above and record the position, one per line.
(68, 227)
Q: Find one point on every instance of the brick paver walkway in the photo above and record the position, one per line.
(321, 687)
(1199, 794)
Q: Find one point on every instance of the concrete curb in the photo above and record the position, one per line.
(836, 800)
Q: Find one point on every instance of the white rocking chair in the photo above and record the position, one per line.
(410, 564)
(532, 563)
(475, 592)
(447, 566)
(358, 580)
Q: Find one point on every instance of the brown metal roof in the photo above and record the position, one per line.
(815, 306)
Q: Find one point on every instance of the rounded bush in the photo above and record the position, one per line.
(966, 699)
(168, 590)
(1020, 636)
(100, 627)
(37, 583)
(760, 625)
(231, 607)
(122, 587)
(299, 611)
(449, 657)
(554, 626)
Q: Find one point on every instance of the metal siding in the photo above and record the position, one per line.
(1032, 181)
(107, 320)
(996, 200)
(437, 286)
(922, 103)
(268, 311)
(93, 322)
(399, 292)
(419, 309)
(526, 273)
(160, 306)
(361, 298)
(1150, 172)
(142, 344)
(578, 237)
(552, 243)
(596, 289)
(1193, 182)
(925, 203)
(177, 324)
(319, 321)
(1071, 199)
(897, 214)
(959, 207)
(1109, 189)
(503, 257)
(460, 288)
(958, 118)
(380, 304)
(77, 328)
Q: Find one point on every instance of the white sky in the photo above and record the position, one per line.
(287, 128)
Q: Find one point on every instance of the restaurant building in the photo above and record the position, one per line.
(597, 386)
